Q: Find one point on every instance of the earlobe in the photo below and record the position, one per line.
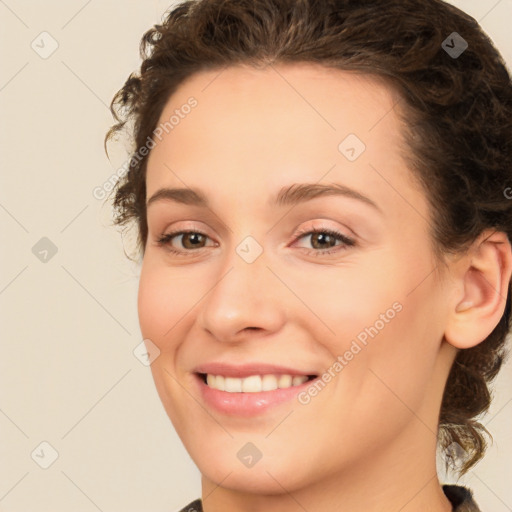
(484, 283)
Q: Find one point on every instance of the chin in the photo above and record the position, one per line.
(268, 478)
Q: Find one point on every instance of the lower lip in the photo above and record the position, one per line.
(248, 404)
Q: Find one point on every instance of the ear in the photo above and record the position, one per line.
(482, 281)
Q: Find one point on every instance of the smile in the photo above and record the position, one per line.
(254, 383)
(254, 395)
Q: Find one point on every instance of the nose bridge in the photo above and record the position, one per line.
(244, 295)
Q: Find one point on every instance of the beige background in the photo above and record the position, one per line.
(68, 375)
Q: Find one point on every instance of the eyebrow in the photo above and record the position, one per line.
(291, 195)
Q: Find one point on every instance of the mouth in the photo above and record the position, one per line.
(250, 396)
(254, 383)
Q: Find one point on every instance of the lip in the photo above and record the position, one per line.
(246, 370)
(247, 404)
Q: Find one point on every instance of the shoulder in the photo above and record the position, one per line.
(461, 498)
(195, 506)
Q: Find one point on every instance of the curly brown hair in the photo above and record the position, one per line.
(457, 110)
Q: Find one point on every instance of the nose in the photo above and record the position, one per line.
(245, 298)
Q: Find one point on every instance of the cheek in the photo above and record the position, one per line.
(397, 365)
(388, 331)
(349, 303)
(162, 309)
(151, 303)
(163, 300)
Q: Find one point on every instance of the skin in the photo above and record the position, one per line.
(367, 441)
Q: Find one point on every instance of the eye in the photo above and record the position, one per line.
(329, 237)
(193, 240)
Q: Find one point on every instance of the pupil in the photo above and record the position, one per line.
(194, 236)
(323, 236)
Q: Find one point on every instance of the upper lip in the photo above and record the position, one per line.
(246, 370)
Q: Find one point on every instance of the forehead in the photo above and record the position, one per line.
(305, 99)
(260, 129)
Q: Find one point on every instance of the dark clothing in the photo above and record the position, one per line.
(460, 497)
(195, 506)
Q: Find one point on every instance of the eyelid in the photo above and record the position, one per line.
(319, 227)
(347, 241)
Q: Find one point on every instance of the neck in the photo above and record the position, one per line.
(384, 482)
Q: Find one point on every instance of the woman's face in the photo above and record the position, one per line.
(361, 309)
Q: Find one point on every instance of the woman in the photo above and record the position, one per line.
(320, 194)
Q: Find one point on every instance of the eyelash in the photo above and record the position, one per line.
(165, 239)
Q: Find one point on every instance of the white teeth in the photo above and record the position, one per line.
(220, 382)
(298, 380)
(254, 383)
(285, 381)
(232, 385)
(251, 384)
(269, 383)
